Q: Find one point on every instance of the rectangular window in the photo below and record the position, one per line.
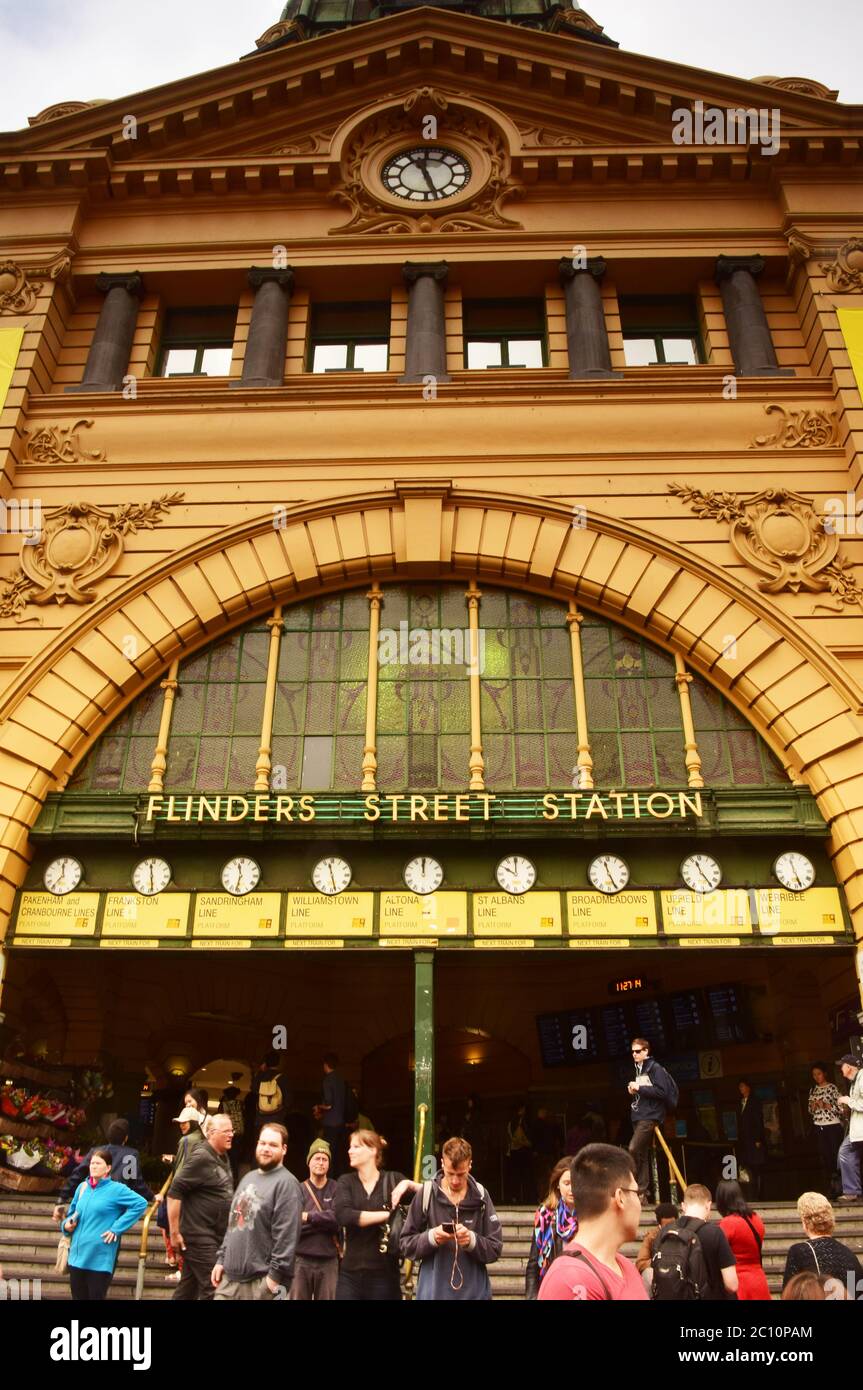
(198, 342)
(660, 331)
(350, 338)
(504, 333)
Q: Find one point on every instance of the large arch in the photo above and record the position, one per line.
(807, 709)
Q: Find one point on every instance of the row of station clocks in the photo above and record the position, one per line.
(515, 874)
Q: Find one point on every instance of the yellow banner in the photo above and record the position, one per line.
(346, 914)
(10, 345)
(503, 914)
(725, 912)
(603, 914)
(221, 914)
(441, 914)
(132, 914)
(44, 914)
(815, 910)
(851, 323)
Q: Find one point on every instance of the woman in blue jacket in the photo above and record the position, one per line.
(100, 1212)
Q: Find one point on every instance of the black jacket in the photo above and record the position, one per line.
(125, 1168)
(750, 1134)
(651, 1102)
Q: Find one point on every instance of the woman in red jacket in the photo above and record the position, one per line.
(744, 1231)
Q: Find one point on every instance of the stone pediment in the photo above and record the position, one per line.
(556, 90)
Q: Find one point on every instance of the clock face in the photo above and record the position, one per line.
(151, 876)
(515, 874)
(794, 871)
(426, 174)
(240, 875)
(63, 876)
(701, 873)
(609, 873)
(331, 875)
(423, 875)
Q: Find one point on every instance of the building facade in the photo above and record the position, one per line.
(430, 614)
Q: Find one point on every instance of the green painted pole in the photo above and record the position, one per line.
(424, 1058)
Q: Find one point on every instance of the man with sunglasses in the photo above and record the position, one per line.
(654, 1092)
(605, 1195)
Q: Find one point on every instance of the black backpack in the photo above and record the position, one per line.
(679, 1265)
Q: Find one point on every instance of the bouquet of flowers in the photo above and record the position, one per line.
(13, 1100)
(93, 1085)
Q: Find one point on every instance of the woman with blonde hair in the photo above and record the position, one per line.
(554, 1224)
(819, 1252)
(366, 1203)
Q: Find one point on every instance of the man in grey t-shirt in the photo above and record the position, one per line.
(256, 1257)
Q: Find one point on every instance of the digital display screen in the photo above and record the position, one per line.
(726, 1014)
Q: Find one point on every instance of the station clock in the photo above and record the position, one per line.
(426, 174)
(794, 871)
(63, 875)
(515, 874)
(701, 873)
(240, 875)
(608, 873)
(331, 875)
(151, 876)
(423, 874)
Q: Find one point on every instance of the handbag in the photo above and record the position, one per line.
(392, 1229)
(63, 1246)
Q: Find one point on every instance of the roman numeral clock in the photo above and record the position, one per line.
(426, 174)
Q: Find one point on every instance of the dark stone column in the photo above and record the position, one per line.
(108, 359)
(425, 350)
(586, 334)
(748, 331)
(264, 362)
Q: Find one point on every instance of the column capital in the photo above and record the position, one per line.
(415, 270)
(594, 265)
(132, 283)
(265, 274)
(728, 265)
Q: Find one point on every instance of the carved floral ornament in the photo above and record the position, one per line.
(779, 534)
(845, 273)
(75, 547)
(481, 205)
(799, 429)
(20, 285)
(59, 444)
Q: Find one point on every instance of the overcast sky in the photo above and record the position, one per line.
(55, 51)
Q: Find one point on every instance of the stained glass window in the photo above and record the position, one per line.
(218, 710)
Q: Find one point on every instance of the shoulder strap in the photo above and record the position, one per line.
(752, 1228)
(579, 1255)
(814, 1256)
(427, 1192)
(311, 1192)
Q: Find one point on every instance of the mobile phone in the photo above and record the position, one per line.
(448, 1227)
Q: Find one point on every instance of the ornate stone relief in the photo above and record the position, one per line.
(575, 19)
(76, 546)
(547, 139)
(779, 534)
(803, 86)
(845, 274)
(372, 216)
(318, 143)
(288, 29)
(20, 285)
(799, 429)
(59, 444)
(64, 108)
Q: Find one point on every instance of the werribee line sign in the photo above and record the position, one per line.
(238, 808)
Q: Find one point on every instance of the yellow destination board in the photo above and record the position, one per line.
(132, 914)
(435, 914)
(44, 914)
(504, 914)
(725, 912)
(630, 913)
(223, 915)
(784, 913)
(346, 915)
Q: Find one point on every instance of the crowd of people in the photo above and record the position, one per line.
(353, 1229)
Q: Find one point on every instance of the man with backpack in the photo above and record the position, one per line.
(272, 1097)
(654, 1092)
(605, 1196)
(454, 1230)
(337, 1110)
(316, 1271)
(692, 1259)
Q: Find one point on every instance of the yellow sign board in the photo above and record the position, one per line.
(601, 914)
(44, 914)
(132, 914)
(504, 914)
(435, 914)
(725, 912)
(815, 910)
(223, 915)
(317, 914)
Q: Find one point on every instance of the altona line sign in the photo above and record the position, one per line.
(407, 808)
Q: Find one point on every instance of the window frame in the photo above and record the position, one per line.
(685, 327)
(175, 341)
(505, 336)
(351, 341)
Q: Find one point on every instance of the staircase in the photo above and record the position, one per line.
(28, 1247)
(782, 1228)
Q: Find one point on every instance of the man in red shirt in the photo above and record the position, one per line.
(606, 1197)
